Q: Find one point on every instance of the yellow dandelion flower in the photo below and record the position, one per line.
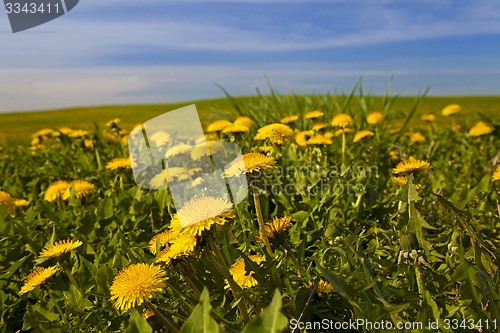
(342, 131)
(417, 138)
(218, 125)
(328, 135)
(178, 149)
(81, 188)
(201, 213)
(428, 117)
(394, 155)
(319, 126)
(56, 190)
(119, 163)
(198, 181)
(21, 202)
(480, 128)
(342, 120)
(277, 226)
(240, 275)
(125, 140)
(322, 288)
(244, 121)
(160, 138)
(411, 165)
(289, 119)
(78, 134)
(266, 149)
(206, 148)
(135, 284)
(402, 181)
(496, 174)
(451, 110)
(181, 246)
(7, 204)
(57, 249)
(318, 139)
(113, 122)
(37, 277)
(65, 130)
(375, 118)
(301, 137)
(361, 135)
(276, 133)
(235, 129)
(163, 239)
(249, 163)
(159, 181)
(44, 132)
(313, 114)
(110, 137)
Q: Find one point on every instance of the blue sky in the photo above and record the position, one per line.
(150, 51)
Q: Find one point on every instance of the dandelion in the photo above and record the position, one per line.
(7, 204)
(342, 120)
(206, 148)
(56, 190)
(160, 138)
(249, 163)
(198, 181)
(136, 284)
(319, 126)
(277, 226)
(481, 128)
(181, 246)
(276, 133)
(266, 149)
(402, 181)
(394, 155)
(178, 149)
(233, 129)
(428, 117)
(21, 202)
(343, 131)
(159, 181)
(78, 134)
(162, 239)
(57, 249)
(81, 188)
(289, 119)
(244, 121)
(319, 139)
(44, 132)
(375, 118)
(313, 114)
(496, 174)
(417, 138)
(411, 165)
(65, 130)
(147, 314)
(37, 277)
(301, 137)
(451, 110)
(322, 288)
(110, 137)
(119, 163)
(218, 125)
(201, 214)
(240, 275)
(361, 135)
(113, 122)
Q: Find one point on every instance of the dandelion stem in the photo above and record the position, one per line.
(289, 251)
(167, 322)
(58, 308)
(185, 275)
(260, 220)
(236, 289)
(343, 147)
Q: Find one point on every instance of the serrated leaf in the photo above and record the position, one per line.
(137, 324)
(200, 319)
(105, 210)
(270, 320)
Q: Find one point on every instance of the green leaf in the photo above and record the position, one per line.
(270, 320)
(75, 300)
(200, 319)
(137, 324)
(105, 210)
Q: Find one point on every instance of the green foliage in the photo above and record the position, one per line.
(200, 319)
(270, 320)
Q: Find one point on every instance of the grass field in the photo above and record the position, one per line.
(18, 127)
(353, 208)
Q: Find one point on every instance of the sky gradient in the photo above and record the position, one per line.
(151, 51)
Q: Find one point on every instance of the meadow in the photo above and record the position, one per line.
(382, 211)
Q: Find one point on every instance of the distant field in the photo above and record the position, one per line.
(18, 127)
